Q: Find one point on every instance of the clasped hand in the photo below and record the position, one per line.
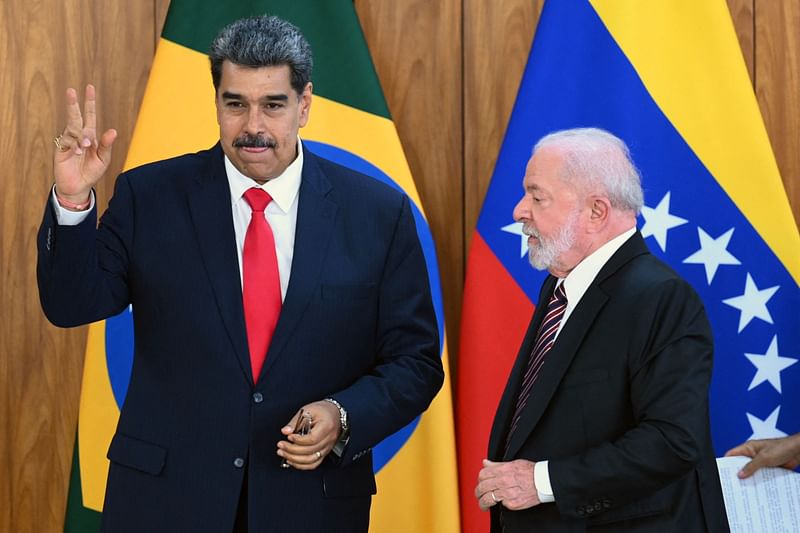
(509, 483)
(306, 452)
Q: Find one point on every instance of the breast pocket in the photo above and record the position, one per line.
(585, 377)
(348, 292)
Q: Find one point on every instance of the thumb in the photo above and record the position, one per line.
(749, 469)
(104, 148)
(288, 429)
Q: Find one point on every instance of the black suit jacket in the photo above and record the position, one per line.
(620, 408)
(357, 324)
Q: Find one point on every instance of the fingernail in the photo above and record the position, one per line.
(86, 142)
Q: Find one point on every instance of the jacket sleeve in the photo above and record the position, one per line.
(81, 270)
(408, 372)
(669, 371)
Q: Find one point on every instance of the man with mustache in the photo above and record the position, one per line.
(282, 313)
(603, 425)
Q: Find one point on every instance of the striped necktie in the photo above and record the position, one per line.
(545, 338)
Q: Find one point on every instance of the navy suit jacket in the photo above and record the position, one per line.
(620, 408)
(357, 325)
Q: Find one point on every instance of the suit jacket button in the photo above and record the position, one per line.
(606, 504)
(598, 506)
(258, 397)
(238, 462)
(580, 510)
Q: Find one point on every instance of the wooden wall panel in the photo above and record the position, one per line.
(46, 46)
(416, 48)
(777, 78)
(497, 39)
(742, 12)
(450, 71)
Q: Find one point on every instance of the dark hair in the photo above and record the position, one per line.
(264, 41)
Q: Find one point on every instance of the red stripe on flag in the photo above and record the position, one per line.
(495, 317)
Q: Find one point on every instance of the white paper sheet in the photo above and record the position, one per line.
(766, 502)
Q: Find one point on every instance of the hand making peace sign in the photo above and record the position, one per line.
(80, 158)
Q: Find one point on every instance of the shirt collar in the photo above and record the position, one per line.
(283, 189)
(577, 281)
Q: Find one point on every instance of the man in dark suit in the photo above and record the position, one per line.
(603, 425)
(233, 337)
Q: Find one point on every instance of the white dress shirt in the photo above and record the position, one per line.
(281, 213)
(575, 285)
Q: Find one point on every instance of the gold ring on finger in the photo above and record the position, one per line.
(57, 141)
(495, 500)
(319, 455)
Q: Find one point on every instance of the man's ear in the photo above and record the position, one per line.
(305, 104)
(599, 212)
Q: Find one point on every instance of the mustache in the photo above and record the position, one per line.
(530, 231)
(253, 141)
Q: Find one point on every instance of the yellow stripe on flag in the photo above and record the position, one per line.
(98, 419)
(687, 55)
(405, 504)
(179, 93)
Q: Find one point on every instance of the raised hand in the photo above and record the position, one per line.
(80, 158)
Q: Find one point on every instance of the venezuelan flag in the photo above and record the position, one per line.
(349, 124)
(668, 77)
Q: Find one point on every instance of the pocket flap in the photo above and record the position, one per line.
(353, 480)
(138, 454)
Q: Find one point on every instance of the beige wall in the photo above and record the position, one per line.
(450, 99)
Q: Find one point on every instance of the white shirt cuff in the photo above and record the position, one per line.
(70, 218)
(541, 477)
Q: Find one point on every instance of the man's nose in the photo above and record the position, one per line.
(255, 121)
(521, 211)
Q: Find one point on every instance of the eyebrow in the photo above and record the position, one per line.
(227, 95)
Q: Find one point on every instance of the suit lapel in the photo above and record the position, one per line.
(210, 208)
(566, 346)
(508, 401)
(316, 216)
(556, 363)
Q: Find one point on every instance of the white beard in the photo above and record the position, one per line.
(545, 252)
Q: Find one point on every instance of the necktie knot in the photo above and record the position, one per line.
(560, 294)
(258, 199)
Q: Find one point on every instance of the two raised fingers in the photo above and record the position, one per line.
(80, 132)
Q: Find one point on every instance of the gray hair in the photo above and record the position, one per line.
(263, 41)
(597, 161)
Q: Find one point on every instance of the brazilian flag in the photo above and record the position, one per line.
(349, 124)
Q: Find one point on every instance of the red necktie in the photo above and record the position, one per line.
(261, 292)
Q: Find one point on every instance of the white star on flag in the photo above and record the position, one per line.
(753, 303)
(769, 366)
(713, 253)
(658, 220)
(516, 229)
(767, 428)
